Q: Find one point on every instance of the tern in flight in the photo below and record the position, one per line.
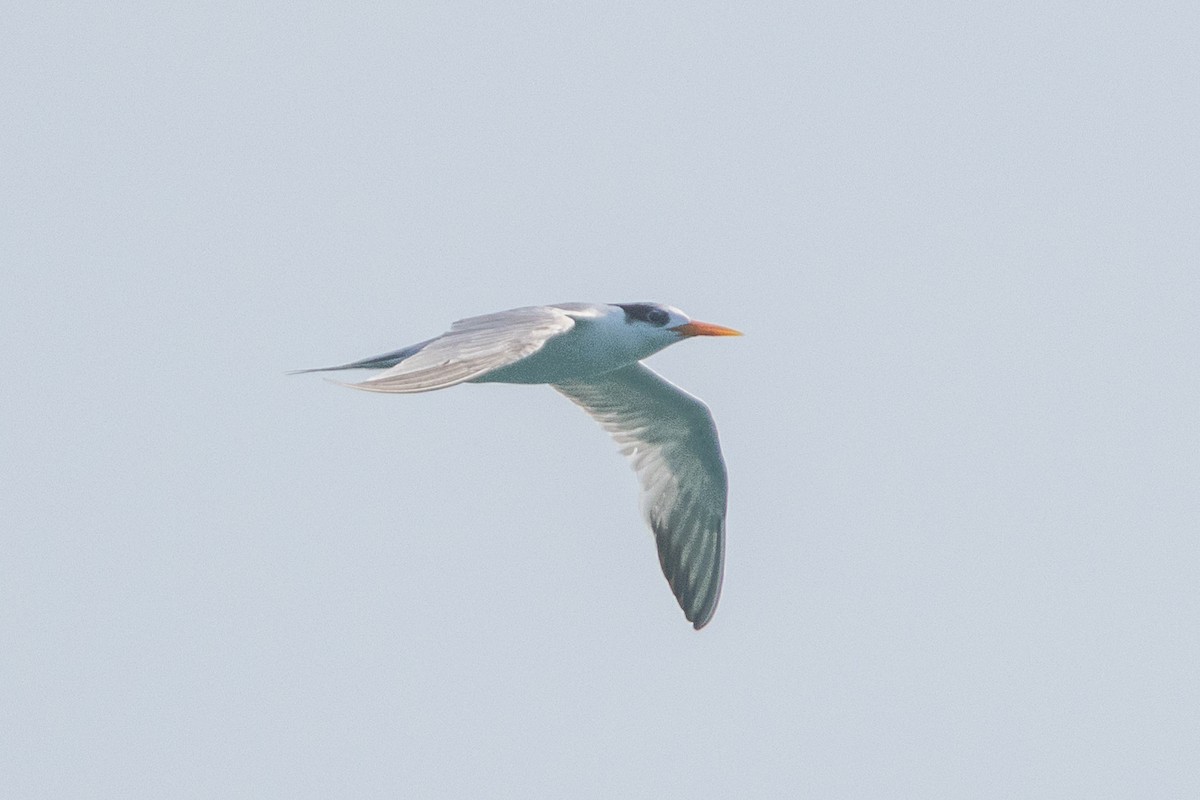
(592, 353)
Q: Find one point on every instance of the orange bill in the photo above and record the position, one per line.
(704, 329)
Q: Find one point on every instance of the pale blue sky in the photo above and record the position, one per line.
(962, 430)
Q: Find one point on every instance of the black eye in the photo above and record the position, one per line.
(645, 312)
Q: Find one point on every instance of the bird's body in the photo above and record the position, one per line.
(591, 353)
(598, 342)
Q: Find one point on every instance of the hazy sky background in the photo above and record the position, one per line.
(963, 430)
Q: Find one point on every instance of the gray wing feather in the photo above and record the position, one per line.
(374, 362)
(471, 348)
(670, 437)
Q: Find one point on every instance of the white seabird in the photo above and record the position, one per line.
(591, 352)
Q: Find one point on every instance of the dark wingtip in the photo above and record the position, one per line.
(319, 369)
(705, 617)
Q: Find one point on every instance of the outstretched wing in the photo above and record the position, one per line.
(471, 348)
(670, 437)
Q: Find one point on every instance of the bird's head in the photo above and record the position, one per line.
(664, 325)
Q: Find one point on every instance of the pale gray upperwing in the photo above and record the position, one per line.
(474, 347)
(670, 437)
